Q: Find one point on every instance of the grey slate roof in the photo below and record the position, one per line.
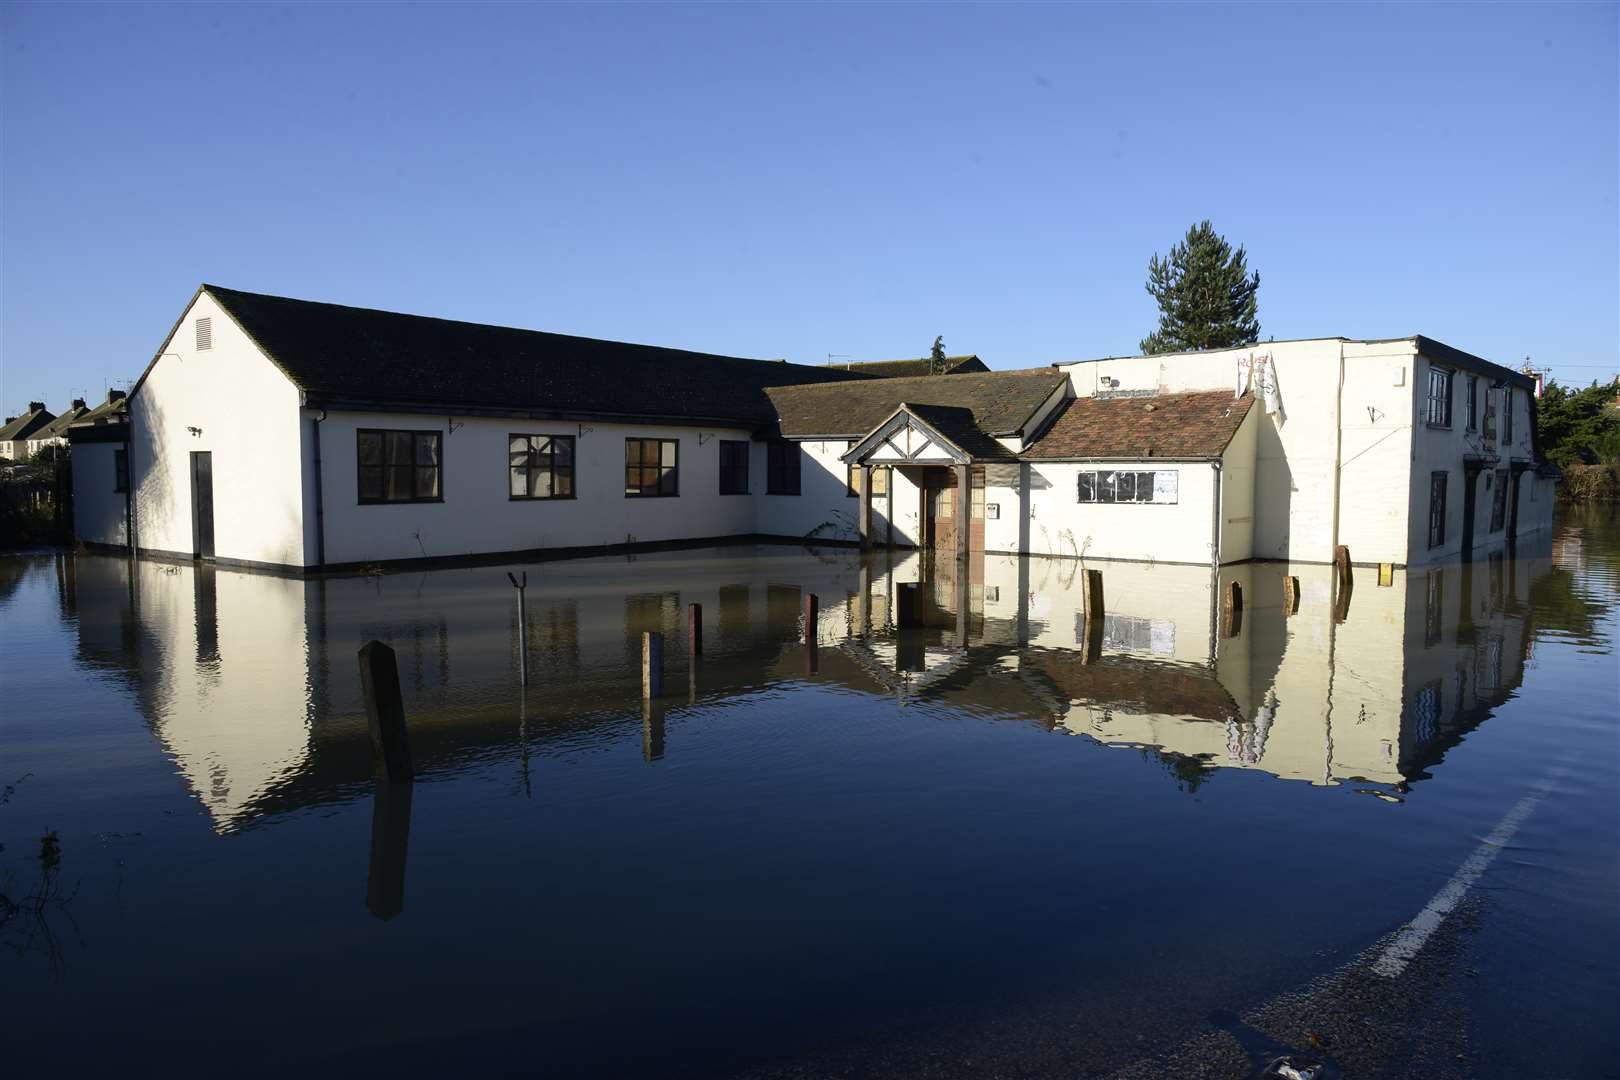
(1000, 402)
(27, 425)
(895, 369)
(360, 357)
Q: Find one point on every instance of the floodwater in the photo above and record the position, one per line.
(1011, 842)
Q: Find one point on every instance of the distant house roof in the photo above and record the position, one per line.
(896, 369)
(103, 423)
(1186, 425)
(57, 429)
(360, 358)
(27, 424)
(999, 402)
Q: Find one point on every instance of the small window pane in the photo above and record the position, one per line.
(519, 481)
(371, 484)
(1105, 487)
(669, 454)
(540, 484)
(397, 448)
(1125, 487)
(398, 479)
(1088, 487)
(1144, 487)
(370, 452)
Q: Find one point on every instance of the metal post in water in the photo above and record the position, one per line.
(523, 625)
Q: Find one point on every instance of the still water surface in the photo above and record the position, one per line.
(997, 845)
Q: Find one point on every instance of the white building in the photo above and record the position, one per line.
(298, 435)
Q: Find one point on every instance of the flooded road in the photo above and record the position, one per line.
(1007, 843)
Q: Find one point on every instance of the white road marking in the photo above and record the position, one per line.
(1411, 938)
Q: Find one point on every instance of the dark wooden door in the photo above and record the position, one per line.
(1470, 484)
(202, 504)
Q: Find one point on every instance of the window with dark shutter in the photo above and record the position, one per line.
(782, 472)
(733, 467)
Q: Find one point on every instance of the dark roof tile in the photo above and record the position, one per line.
(1001, 402)
(358, 355)
(1185, 425)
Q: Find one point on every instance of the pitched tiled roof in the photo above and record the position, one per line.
(358, 356)
(27, 425)
(896, 369)
(1188, 425)
(57, 429)
(1001, 402)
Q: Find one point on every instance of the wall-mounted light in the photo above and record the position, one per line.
(196, 432)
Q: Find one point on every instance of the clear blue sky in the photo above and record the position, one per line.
(793, 181)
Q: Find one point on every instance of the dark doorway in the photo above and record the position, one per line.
(202, 504)
(1470, 484)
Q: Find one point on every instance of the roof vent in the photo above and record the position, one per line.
(205, 333)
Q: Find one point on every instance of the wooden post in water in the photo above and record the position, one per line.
(390, 836)
(694, 629)
(1092, 595)
(652, 729)
(908, 605)
(1343, 582)
(652, 665)
(523, 626)
(385, 712)
(1290, 595)
(1232, 610)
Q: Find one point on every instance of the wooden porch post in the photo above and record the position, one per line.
(866, 507)
(964, 512)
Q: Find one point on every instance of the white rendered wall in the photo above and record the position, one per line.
(98, 509)
(823, 509)
(246, 413)
(478, 516)
(1059, 524)
(1237, 490)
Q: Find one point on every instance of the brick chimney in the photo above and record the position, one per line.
(78, 403)
(114, 395)
(36, 406)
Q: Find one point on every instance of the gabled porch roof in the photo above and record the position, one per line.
(927, 435)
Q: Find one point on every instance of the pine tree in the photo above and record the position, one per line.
(936, 356)
(1206, 295)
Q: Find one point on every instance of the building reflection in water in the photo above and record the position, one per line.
(249, 681)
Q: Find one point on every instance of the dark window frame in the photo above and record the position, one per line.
(734, 471)
(1507, 416)
(415, 466)
(120, 470)
(672, 471)
(1473, 403)
(1096, 487)
(530, 466)
(1438, 482)
(1437, 412)
(784, 467)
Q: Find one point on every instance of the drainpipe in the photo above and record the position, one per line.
(129, 498)
(1215, 563)
(1338, 447)
(320, 496)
